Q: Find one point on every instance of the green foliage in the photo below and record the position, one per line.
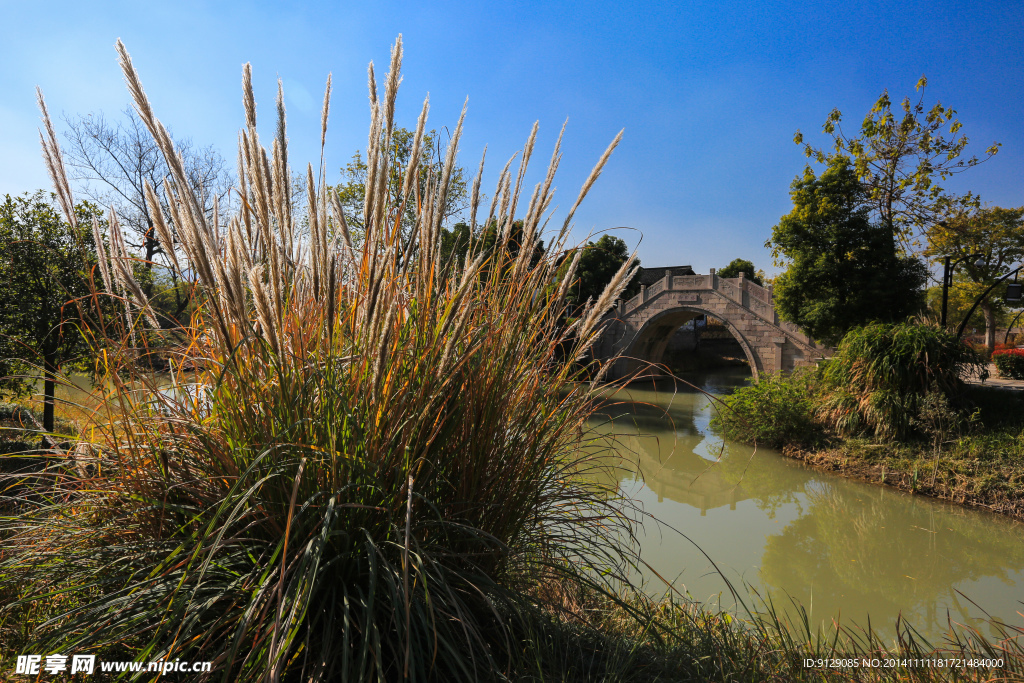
(352, 188)
(598, 264)
(45, 276)
(961, 297)
(775, 411)
(843, 271)
(737, 266)
(899, 160)
(982, 245)
(882, 374)
(1010, 363)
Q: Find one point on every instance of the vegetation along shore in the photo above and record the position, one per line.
(891, 407)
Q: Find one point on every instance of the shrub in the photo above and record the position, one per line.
(881, 373)
(383, 460)
(1010, 363)
(775, 411)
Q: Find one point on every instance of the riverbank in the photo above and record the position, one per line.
(972, 456)
(968, 473)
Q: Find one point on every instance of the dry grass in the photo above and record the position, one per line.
(372, 458)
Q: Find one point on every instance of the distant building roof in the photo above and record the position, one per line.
(648, 276)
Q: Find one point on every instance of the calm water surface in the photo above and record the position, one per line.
(844, 550)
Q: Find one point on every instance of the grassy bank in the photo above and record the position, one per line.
(964, 443)
(984, 468)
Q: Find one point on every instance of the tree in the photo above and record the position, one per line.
(899, 162)
(112, 162)
(352, 190)
(45, 275)
(738, 266)
(995, 233)
(598, 264)
(843, 271)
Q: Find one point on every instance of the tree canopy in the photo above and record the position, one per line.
(45, 277)
(112, 160)
(737, 266)
(982, 244)
(900, 159)
(598, 264)
(842, 269)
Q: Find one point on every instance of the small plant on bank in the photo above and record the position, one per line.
(774, 411)
(1009, 363)
(882, 373)
(374, 458)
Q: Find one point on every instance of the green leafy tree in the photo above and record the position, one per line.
(899, 160)
(744, 266)
(842, 269)
(961, 297)
(996, 234)
(598, 264)
(45, 279)
(352, 188)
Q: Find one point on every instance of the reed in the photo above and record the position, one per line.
(369, 459)
(881, 374)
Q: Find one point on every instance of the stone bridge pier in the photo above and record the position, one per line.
(637, 331)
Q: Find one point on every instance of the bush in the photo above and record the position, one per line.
(382, 465)
(775, 411)
(1010, 363)
(881, 374)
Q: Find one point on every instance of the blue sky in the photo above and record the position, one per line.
(709, 93)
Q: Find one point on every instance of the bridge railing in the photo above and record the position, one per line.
(730, 287)
(758, 292)
(745, 293)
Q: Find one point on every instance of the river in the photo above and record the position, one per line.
(844, 550)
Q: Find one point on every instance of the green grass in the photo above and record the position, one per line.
(376, 458)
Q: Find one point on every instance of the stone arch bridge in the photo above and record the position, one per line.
(637, 331)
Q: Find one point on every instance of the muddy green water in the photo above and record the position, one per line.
(844, 550)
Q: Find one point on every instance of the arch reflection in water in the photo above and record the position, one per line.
(844, 550)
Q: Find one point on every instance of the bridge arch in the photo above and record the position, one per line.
(637, 331)
(651, 340)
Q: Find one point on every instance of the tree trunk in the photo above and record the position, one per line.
(990, 326)
(49, 384)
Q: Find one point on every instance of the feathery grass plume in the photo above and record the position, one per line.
(524, 162)
(370, 466)
(323, 118)
(417, 150)
(248, 99)
(55, 164)
(446, 174)
(121, 262)
(163, 232)
(474, 203)
(339, 218)
(591, 179)
(532, 222)
(101, 254)
(627, 271)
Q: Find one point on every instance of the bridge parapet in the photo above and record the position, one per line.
(638, 330)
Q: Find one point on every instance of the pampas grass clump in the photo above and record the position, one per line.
(370, 464)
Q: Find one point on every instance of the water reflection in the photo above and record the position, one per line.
(843, 549)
